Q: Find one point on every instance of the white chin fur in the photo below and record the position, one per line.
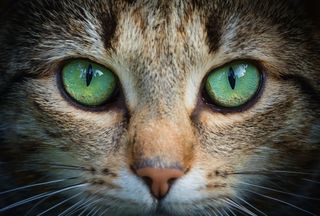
(137, 199)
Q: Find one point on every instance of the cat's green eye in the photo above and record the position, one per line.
(233, 85)
(88, 83)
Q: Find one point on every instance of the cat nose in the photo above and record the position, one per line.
(159, 180)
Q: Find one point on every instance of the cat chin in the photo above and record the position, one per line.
(122, 207)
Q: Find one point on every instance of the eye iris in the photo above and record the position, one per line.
(88, 83)
(233, 85)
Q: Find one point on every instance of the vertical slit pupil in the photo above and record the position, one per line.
(89, 75)
(232, 78)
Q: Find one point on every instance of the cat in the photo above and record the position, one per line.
(159, 107)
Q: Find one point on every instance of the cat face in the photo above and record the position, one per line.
(166, 140)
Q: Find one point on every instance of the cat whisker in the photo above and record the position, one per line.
(236, 208)
(64, 166)
(310, 180)
(86, 207)
(68, 167)
(93, 210)
(76, 208)
(37, 204)
(60, 203)
(55, 165)
(81, 205)
(96, 211)
(243, 200)
(102, 213)
(279, 191)
(230, 210)
(72, 207)
(105, 211)
(219, 212)
(225, 212)
(281, 201)
(40, 196)
(270, 172)
(240, 207)
(213, 211)
(36, 185)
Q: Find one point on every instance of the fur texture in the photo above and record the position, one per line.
(260, 160)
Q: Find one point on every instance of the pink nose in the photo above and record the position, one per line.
(159, 179)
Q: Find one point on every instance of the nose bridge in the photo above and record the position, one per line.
(161, 92)
(161, 142)
(160, 79)
(162, 149)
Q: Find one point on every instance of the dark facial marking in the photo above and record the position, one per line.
(213, 32)
(109, 24)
